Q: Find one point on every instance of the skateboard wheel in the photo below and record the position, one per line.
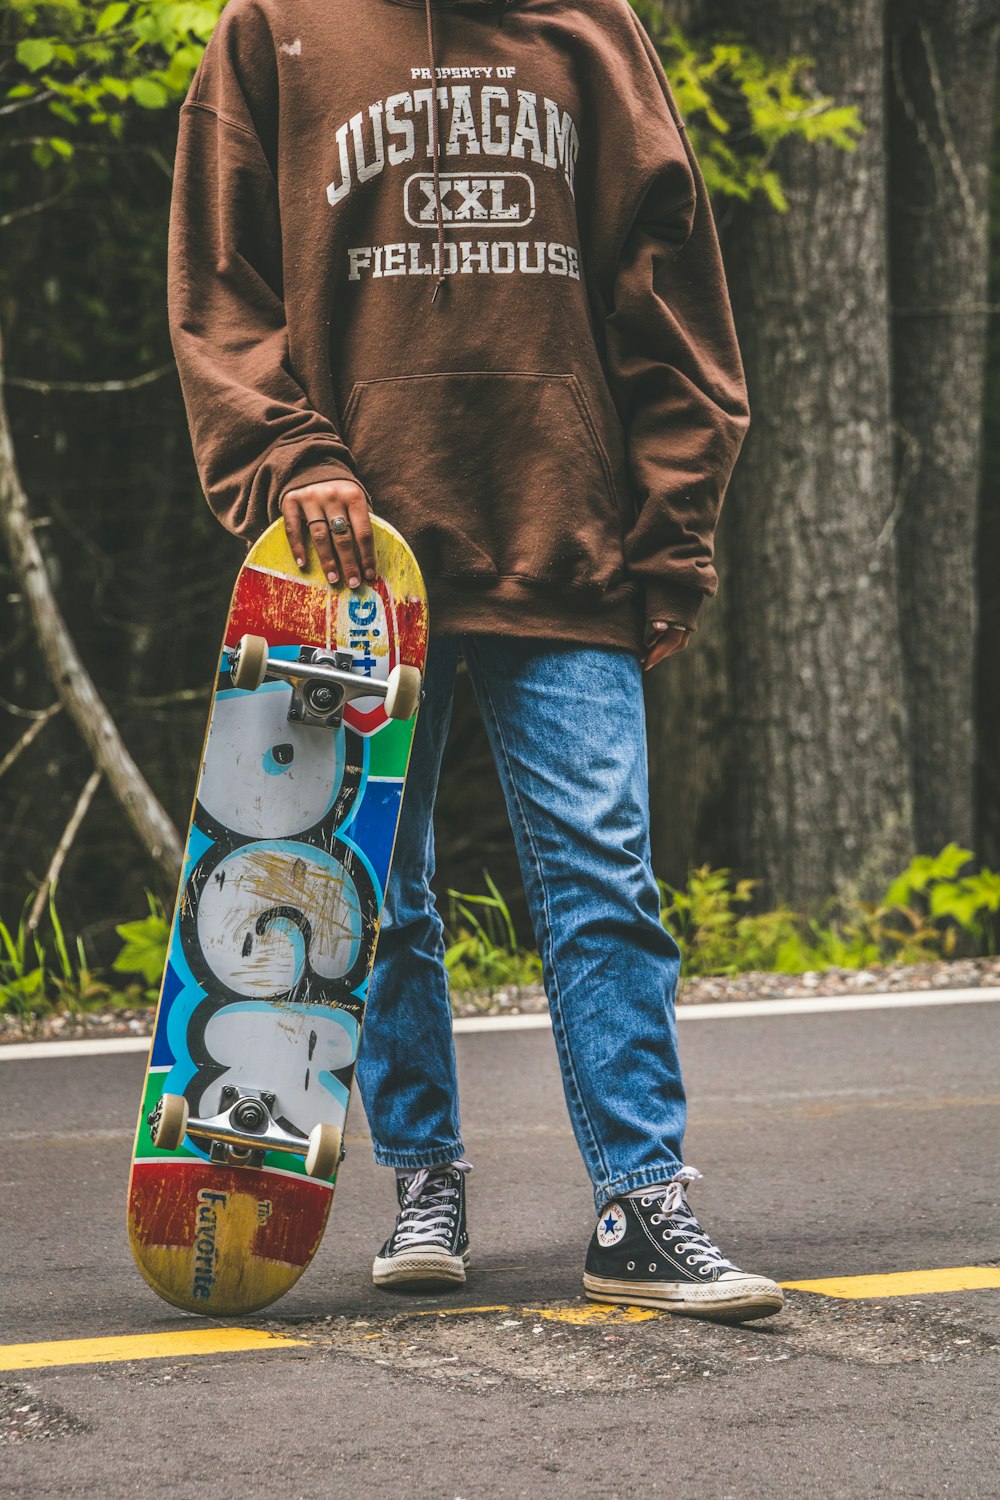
(403, 693)
(251, 662)
(325, 1148)
(169, 1122)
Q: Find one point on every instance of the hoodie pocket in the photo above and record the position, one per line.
(490, 474)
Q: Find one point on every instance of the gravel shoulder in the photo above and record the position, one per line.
(514, 1000)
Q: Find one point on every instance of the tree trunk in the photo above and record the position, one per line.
(822, 782)
(941, 81)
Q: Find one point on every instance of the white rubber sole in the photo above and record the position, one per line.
(733, 1300)
(420, 1268)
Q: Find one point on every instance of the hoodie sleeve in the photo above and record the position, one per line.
(254, 431)
(675, 372)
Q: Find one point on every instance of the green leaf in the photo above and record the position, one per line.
(112, 15)
(149, 95)
(62, 111)
(35, 53)
(145, 950)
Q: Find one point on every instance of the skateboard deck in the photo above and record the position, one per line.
(275, 926)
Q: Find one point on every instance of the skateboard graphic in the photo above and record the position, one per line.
(240, 1134)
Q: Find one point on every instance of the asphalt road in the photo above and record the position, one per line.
(832, 1145)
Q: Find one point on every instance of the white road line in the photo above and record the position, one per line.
(826, 1004)
(729, 1010)
(98, 1047)
(738, 1010)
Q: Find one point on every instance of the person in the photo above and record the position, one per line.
(454, 263)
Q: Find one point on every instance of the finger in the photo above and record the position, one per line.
(293, 530)
(343, 542)
(319, 531)
(364, 537)
(669, 643)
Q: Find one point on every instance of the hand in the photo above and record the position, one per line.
(313, 509)
(663, 639)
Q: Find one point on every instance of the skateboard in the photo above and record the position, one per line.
(257, 1028)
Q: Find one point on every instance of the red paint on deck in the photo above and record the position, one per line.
(164, 1203)
(283, 610)
(411, 622)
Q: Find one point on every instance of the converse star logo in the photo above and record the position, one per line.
(611, 1226)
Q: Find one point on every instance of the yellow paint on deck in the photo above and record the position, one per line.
(903, 1283)
(396, 562)
(193, 1341)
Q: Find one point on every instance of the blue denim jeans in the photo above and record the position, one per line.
(568, 733)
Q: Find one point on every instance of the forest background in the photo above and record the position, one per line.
(838, 713)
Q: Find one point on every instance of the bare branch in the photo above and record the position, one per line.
(29, 209)
(19, 104)
(68, 674)
(97, 149)
(162, 162)
(14, 708)
(951, 151)
(63, 847)
(911, 452)
(48, 387)
(28, 737)
(163, 700)
(947, 310)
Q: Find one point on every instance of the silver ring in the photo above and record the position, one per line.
(339, 527)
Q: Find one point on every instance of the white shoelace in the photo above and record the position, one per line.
(691, 1240)
(429, 1206)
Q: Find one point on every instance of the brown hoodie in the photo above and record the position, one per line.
(523, 348)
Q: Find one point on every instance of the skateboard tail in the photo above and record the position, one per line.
(223, 1241)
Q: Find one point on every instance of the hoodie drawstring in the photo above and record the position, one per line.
(435, 131)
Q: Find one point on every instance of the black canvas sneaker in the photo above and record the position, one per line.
(430, 1244)
(649, 1250)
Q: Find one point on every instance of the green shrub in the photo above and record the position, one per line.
(939, 906)
(39, 971)
(145, 946)
(482, 951)
(924, 915)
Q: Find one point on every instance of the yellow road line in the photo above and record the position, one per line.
(903, 1283)
(200, 1341)
(597, 1312)
(140, 1346)
(895, 1284)
(572, 1312)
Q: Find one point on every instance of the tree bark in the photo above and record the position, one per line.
(690, 771)
(822, 794)
(67, 672)
(941, 87)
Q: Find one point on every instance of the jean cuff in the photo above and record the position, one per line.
(648, 1177)
(412, 1161)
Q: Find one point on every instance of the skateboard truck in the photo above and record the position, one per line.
(242, 1131)
(322, 682)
